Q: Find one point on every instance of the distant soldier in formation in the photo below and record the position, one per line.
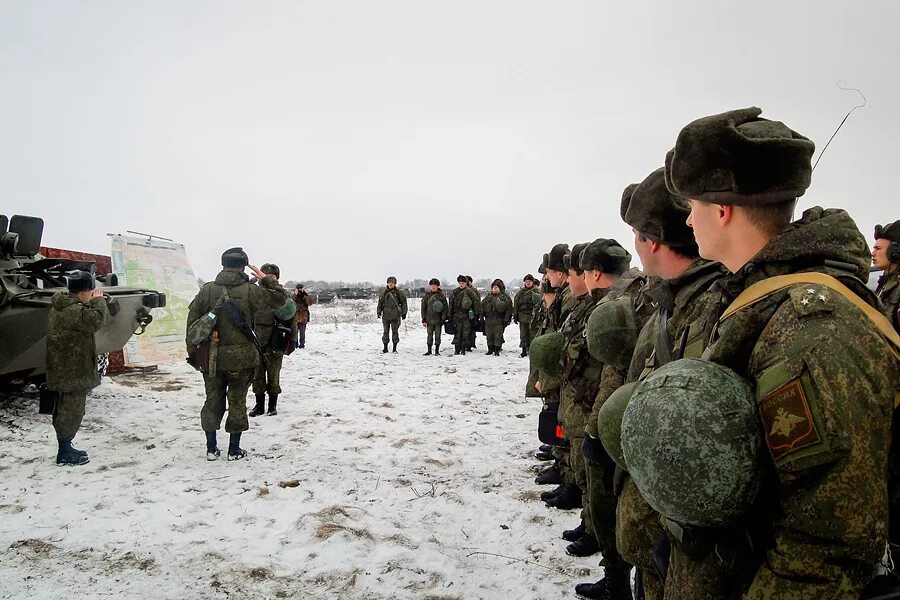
(435, 311)
(391, 310)
(526, 301)
(497, 308)
(237, 352)
(465, 306)
(886, 256)
(75, 316)
(470, 282)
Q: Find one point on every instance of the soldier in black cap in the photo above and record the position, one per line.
(75, 315)
(234, 348)
(886, 256)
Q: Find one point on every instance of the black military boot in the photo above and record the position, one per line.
(428, 353)
(545, 448)
(490, 350)
(273, 405)
(542, 455)
(68, 456)
(615, 585)
(545, 496)
(456, 349)
(395, 348)
(437, 349)
(586, 545)
(212, 447)
(549, 476)
(568, 498)
(573, 535)
(524, 353)
(260, 407)
(496, 350)
(234, 447)
(385, 351)
(462, 350)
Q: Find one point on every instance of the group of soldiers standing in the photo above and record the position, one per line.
(724, 418)
(461, 314)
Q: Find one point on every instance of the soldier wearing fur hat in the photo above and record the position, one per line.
(824, 408)
(678, 291)
(267, 379)
(391, 310)
(470, 282)
(228, 377)
(886, 256)
(465, 306)
(525, 302)
(435, 310)
(75, 316)
(497, 308)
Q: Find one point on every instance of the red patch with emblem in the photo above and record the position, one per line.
(787, 420)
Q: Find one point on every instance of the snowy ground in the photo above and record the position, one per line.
(383, 476)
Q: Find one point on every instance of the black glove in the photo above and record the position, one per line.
(593, 450)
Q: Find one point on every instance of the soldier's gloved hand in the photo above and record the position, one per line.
(424, 323)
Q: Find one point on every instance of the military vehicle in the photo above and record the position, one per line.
(28, 281)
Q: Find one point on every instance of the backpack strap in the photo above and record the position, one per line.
(771, 285)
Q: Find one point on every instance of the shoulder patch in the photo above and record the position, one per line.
(811, 299)
(787, 420)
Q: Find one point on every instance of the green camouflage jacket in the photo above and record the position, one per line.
(524, 304)
(499, 307)
(391, 304)
(889, 293)
(236, 352)
(580, 374)
(461, 301)
(429, 315)
(71, 350)
(824, 381)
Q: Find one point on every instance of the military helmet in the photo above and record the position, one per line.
(437, 306)
(612, 332)
(287, 310)
(690, 440)
(545, 352)
(609, 422)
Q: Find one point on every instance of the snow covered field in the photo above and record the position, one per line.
(383, 476)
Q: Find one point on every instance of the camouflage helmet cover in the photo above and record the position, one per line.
(691, 442)
(545, 352)
(612, 332)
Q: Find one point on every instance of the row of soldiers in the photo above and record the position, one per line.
(724, 418)
(460, 314)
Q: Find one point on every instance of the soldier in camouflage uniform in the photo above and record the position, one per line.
(668, 253)
(465, 306)
(75, 316)
(497, 308)
(433, 319)
(886, 256)
(525, 303)
(472, 333)
(819, 524)
(268, 373)
(237, 355)
(391, 310)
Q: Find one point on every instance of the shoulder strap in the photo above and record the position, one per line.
(769, 286)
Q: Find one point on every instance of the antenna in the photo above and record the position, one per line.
(847, 116)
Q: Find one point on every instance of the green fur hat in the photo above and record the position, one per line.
(572, 260)
(543, 268)
(891, 231)
(737, 158)
(605, 255)
(657, 213)
(555, 259)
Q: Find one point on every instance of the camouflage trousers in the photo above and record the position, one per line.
(493, 331)
(68, 413)
(391, 331)
(226, 388)
(573, 417)
(637, 531)
(268, 379)
(464, 332)
(704, 565)
(524, 334)
(434, 335)
(601, 502)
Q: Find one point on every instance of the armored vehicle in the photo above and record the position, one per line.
(28, 281)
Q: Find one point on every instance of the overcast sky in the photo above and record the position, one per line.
(353, 140)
